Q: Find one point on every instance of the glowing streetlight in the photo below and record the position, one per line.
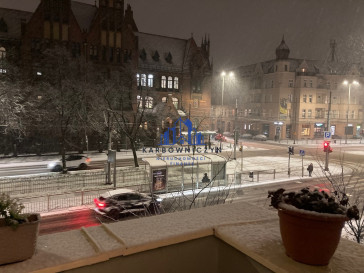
(223, 74)
(347, 114)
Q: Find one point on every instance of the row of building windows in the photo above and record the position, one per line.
(322, 113)
(148, 102)
(166, 82)
(306, 84)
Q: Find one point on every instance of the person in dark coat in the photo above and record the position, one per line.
(310, 169)
(205, 178)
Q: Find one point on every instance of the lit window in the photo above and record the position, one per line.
(2, 71)
(195, 103)
(138, 79)
(175, 82)
(2, 53)
(164, 82)
(164, 99)
(143, 81)
(175, 102)
(170, 82)
(148, 102)
(150, 80)
(39, 73)
(139, 102)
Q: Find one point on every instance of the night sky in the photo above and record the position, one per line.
(248, 31)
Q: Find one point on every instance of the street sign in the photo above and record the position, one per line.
(111, 156)
(302, 152)
(327, 135)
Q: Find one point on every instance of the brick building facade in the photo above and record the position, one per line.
(171, 75)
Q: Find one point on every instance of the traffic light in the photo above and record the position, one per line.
(291, 150)
(327, 147)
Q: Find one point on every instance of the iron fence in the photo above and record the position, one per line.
(60, 183)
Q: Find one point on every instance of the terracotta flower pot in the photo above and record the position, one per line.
(18, 244)
(310, 237)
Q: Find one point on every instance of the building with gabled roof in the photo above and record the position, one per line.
(291, 98)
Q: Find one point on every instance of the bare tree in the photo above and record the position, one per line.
(63, 104)
(15, 102)
(346, 188)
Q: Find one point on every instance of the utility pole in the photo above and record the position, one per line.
(235, 131)
(329, 130)
(108, 147)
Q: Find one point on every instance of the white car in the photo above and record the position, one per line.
(260, 137)
(72, 162)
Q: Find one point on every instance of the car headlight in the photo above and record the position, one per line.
(51, 165)
(159, 199)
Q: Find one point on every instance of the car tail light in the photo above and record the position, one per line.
(99, 203)
(88, 160)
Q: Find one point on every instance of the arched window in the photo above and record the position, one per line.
(148, 102)
(175, 102)
(164, 99)
(143, 81)
(150, 80)
(138, 79)
(170, 82)
(2, 53)
(175, 83)
(164, 82)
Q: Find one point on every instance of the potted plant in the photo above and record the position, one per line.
(311, 223)
(18, 232)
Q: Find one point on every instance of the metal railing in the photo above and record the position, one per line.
(59, 183)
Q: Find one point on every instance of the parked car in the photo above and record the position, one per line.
(246, 136)
(123, 201)
(228, 134)
(72, 162)
(220, 137)
(260, 137)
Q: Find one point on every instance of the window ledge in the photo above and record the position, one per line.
(251, 230)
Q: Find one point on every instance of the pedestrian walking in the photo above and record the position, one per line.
(310, 169)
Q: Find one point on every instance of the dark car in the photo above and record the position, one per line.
(246, 136)
(123, 201)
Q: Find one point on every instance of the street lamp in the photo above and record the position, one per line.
(347, 114)
(223, 74)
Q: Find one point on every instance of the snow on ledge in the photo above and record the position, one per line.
(250, 229)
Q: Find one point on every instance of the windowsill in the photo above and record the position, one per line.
(253, 231)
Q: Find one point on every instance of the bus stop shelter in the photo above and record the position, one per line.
(183, 172)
